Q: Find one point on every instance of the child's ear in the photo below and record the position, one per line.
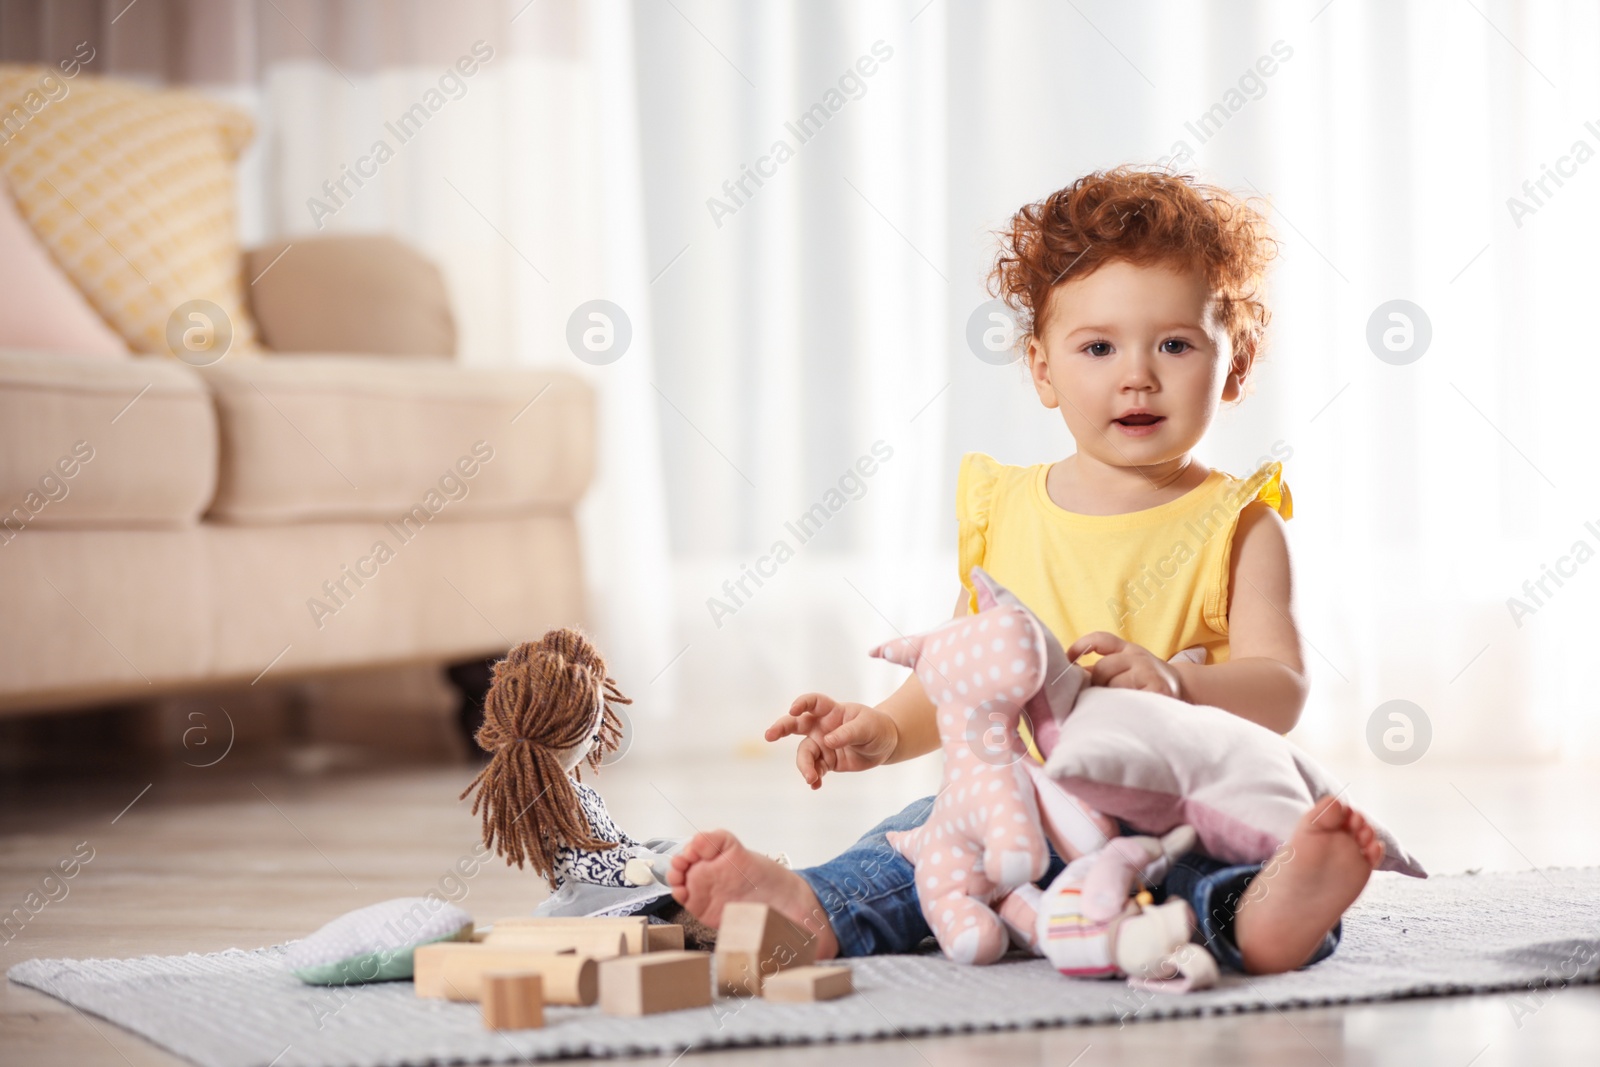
(1238, 372)
(1039, 371)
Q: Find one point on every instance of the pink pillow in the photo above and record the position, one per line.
(1157, 762)
(39, 308)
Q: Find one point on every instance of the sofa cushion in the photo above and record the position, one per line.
(39, 307)
(408, 441)
(324, 595)
(111, 613)
(366, 293)
(132, 191)
(89, 441)
(96, 614)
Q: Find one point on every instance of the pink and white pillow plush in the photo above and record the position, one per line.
(1157, 762)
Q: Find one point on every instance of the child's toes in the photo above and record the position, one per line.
(1365, 837)
(1328, 815)
(701, 846)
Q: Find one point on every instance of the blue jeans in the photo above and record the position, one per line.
(870, 896)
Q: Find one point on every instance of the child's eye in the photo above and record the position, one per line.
(1175, 341)
(1092, 345)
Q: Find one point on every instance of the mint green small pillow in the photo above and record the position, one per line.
(374, 943)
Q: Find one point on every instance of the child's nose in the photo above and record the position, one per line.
(1139, 370)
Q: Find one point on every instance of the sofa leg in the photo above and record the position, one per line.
(471, 681)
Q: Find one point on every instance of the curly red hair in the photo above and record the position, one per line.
(1145, 217)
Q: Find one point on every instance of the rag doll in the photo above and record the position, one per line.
(547, 715)
(984, 843)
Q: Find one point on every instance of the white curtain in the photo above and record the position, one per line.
(1388, 144)
(796, 158)
(1386, 139)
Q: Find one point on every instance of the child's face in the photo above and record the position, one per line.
(1130, 337)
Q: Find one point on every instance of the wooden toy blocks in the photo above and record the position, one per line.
(600, 943)
(756, 942)
(655, 982)
(577, 931)
(803, 985)
(455, 970)
(663, 937)
(587, 936)
(513, 1001)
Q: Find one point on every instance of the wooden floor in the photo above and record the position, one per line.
(266, 846)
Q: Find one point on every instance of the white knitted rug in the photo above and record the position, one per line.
(1447, 935)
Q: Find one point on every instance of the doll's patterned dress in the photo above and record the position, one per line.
(602, 867)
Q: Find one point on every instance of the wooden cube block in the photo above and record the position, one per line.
(663, 937)
(756, 942)
(801, 985)
(513, 1001)
(454, 970)
(655, 982)
(578, 928)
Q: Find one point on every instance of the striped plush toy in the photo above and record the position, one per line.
(1088, 926)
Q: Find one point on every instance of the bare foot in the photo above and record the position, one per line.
(714, 869)
(1306, 886)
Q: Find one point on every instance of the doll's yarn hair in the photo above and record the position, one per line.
(541, 703)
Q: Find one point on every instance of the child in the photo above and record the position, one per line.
(1137, 296)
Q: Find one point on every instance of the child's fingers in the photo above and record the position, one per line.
(810, 704)
(1103, 642)
(791, 724)
(785, 726)
(808, 758)
(854, 732)
(1120, 670)
(1106, 669)
(804, 714)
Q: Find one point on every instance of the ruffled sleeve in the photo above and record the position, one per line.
(1275, 491)
(975, 482)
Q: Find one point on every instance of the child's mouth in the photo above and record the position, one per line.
(1140, 425)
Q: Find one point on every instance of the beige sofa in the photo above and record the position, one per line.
(281, 514)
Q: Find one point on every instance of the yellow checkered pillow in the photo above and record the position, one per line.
(132, 191)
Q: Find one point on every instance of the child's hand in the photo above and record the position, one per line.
(1125, 665)
(836, 737)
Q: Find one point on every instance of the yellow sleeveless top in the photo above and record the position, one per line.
(1157, 577)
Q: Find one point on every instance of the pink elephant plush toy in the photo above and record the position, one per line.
(985, 842)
